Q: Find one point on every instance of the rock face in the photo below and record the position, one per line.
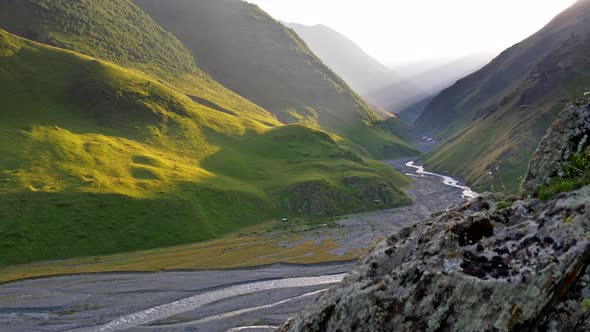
(493, 264)
(569, 134)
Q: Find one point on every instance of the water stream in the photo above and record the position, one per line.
(447, 180)
(191, 303)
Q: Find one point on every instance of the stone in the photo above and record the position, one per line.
(521, 276)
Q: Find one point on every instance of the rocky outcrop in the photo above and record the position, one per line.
(473, 268)
(495, 263)
(568, 135)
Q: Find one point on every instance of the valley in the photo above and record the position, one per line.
(200, 299)
(203, 165)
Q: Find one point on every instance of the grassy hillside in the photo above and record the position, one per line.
(494, 152)
(493, 119)
(96, 158)
(118, 31)
(254, 55)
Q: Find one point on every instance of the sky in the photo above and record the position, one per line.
(398, 32)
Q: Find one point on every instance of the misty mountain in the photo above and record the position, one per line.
(378, 84)
(442, 75)
(361, 71)
(492, 120)
(424, 80)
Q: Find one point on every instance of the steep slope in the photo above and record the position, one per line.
(493, 119)
(251, 53)
(364, 74)
(343, 56)
(119, 32)
(96, 158)
(411, 113)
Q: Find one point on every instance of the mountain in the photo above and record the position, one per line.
(256, 56)
(398, 95)
(365, 75)
(113, 139)
(361, 71)
(492, 120)
(437, 74)
(446, 74)
(411, 113)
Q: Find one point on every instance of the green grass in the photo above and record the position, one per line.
(254, 246)
(575, 175)
(100, 159)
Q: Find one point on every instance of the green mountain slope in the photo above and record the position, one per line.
(96, 158)
(492, 120)
(118, 31)
(254, 55)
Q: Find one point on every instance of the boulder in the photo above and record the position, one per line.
(471, 268)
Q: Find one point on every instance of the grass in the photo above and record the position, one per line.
(114, 139)
(253, 246)
(100, 159)
(575, 175)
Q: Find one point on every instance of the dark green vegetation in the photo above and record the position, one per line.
(107, 147)
(254, 55)
(492, 120)
(575, 175)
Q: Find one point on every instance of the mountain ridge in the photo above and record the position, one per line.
(490, 121)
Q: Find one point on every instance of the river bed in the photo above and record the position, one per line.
(249, 299)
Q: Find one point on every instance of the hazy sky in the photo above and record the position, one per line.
(405, 31)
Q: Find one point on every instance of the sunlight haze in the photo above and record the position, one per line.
(400, 32)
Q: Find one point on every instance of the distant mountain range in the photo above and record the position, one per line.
(364, 73)
(391, 89)
(491, 121)
(378, 84)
